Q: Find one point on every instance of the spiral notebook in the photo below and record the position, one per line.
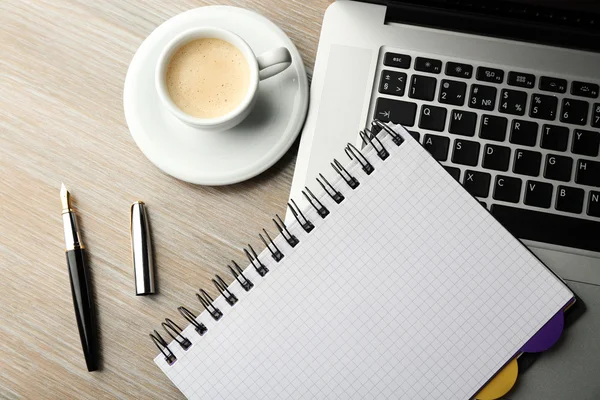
(392, 282)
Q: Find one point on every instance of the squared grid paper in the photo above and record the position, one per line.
(409, 289)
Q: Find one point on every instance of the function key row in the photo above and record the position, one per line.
(492, 75)
(428, 65)
(521, 79)
(397, 60)
(555, 85)
(459, 70)
(585, 89)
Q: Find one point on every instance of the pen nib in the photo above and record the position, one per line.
(65, 198)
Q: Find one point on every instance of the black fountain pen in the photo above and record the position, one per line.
(80, 283)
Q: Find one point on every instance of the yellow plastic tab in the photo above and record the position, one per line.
(501, 383)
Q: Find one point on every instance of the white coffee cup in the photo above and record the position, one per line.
(262, 67)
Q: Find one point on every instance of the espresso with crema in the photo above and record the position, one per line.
(208, 77)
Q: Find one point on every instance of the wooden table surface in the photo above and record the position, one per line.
(63, 67)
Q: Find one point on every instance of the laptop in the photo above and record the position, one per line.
(505, 95)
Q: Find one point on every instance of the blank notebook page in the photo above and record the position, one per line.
(407, 289)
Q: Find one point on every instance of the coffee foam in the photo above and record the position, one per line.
(208, 77)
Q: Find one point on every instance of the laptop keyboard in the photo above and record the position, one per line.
(525, 144)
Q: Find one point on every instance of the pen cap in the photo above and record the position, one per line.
(141, 249)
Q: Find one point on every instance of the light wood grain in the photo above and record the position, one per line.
(62, 70)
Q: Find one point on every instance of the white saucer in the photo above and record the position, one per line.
(217, 158)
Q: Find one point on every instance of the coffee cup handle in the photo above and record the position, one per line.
(273, 62)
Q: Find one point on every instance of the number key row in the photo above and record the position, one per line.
(392, 82)
(483, 97)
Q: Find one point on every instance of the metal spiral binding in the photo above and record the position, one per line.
(199, 327)
(207, 302)
(255, 261)
(275, 252)
(366, 166)
(397, 139)
(374, 141)
(291, 239)
(336, 195)
(350, 180)
(304, 223)
(314, 201)
(176, 333)
(222, 288)
(163, 346)
(239, 276)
